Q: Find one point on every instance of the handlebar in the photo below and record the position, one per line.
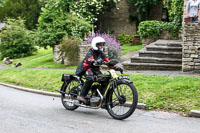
(110, 64)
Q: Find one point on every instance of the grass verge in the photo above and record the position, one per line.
(158, 92)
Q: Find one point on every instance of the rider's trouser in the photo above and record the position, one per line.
(89, 75)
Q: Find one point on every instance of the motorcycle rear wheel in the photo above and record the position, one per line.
(123, 107)
(67, 98)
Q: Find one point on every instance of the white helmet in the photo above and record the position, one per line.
(96, 41)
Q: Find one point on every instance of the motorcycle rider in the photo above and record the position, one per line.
(88, 66)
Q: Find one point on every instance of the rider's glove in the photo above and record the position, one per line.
(119, 69)
(98, 62)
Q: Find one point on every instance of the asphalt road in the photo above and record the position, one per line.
(24, 112)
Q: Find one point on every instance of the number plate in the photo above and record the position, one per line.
(124, 77)
(113, 73)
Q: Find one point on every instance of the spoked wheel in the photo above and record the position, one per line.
(121, 104)
(71, 91)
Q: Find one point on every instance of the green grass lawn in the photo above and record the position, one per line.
(128, 48)
(43, 58)
(157, 92)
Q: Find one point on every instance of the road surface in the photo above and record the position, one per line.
(25, 112)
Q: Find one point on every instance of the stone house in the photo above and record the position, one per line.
(117, 21)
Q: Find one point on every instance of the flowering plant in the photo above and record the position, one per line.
(114, 48)
(90, 9)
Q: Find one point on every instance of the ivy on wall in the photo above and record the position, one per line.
(143, 8)
(175, 11)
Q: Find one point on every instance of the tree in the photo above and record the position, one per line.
(27, 9)
(55, 22)
(1, 1)
(43, 2)
(16, 40)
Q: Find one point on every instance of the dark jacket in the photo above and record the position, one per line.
(87, 63)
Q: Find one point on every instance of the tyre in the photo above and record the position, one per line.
(121, 105)
(72, 89)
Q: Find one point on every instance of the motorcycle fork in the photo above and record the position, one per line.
(114, 85)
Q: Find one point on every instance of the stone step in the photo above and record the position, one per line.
(176, 55)
(151, 66)
(164, 48)
(169, 43)
(155, 60)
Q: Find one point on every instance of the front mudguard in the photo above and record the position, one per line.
(124, 81)
(121, 81)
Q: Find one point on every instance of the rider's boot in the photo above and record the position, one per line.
(84, 91)
(82, 99)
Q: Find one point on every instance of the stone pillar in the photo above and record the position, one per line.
(191, 45)
(83, 50)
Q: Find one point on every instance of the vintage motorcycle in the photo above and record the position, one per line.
(120, 98)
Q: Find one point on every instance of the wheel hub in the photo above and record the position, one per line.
(122, 99)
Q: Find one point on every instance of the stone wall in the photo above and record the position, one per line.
(83, 50)
(191, 46)
(118, 22)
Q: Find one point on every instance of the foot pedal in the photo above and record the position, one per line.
(76, 102)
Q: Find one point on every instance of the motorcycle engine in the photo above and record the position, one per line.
(94, 101)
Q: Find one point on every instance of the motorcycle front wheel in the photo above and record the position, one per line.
(122, 102)
(71, 90)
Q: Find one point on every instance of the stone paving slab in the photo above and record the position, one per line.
(195, 113)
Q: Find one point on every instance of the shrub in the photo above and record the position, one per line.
(55, 23)
(155, 28)
(65, 24)
(114, 48)
(70, 50)
(125, 39)
(16, 40)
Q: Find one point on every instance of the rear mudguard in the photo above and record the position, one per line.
(67, 78)
(64, 85)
